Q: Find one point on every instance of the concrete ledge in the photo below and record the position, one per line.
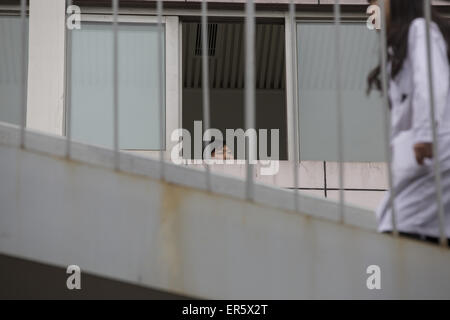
(174, 236)
(271, 196)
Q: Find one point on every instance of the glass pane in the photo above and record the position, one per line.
(10, 68)
(92, 85)
(362, 114)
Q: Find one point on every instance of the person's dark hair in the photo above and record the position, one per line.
(403, 12)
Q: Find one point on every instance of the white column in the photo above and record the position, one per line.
(45, 107)
(173, 75)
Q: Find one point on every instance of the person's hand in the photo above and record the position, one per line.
(423, 150)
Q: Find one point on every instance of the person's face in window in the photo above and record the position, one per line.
(227, 153)
(223, 153)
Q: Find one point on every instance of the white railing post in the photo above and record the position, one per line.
(437, 167)
(205, 83)
(387, 122)
(250, 93)
(68, 88)
(116, 83)
(162, 120)
(293, 81)
(339, 110)
(23, 73)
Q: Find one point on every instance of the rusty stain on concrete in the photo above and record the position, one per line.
(169, 237)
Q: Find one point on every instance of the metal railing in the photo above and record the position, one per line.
(250, 98)
(437, 168)
(387, 123)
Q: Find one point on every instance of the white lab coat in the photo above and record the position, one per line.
(414, 185)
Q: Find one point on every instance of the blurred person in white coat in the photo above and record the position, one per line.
(411, 138)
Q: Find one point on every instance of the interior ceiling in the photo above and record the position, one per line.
(227, 57)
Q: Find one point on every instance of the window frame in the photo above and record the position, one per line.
(293, 70)
(171, 43)
(16, 14)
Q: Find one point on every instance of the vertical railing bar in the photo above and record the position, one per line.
(437, 167)
(68, 88)
(294, 102)
(205, 77)
(340, 145)
(116, 83)
(161, 66)
(249, 91)
(24, 71)
(387, 126)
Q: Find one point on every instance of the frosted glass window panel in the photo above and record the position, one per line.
(362, 114)
(92, 85)
(11, 68)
